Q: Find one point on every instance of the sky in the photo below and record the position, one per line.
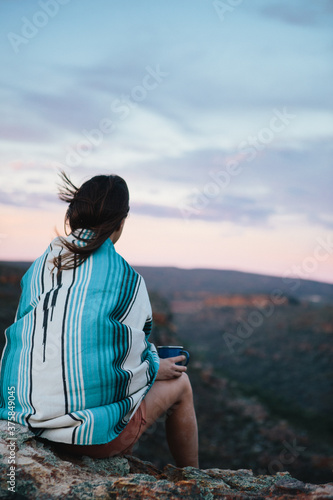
(218, 114)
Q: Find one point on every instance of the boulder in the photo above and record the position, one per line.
(31, 469)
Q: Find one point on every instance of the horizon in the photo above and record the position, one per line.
(29, 262)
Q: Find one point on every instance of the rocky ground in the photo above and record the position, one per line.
(37, 472)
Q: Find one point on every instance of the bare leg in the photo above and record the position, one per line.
(175, 397)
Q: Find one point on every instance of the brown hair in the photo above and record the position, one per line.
(99, 205)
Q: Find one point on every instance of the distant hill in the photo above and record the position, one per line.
(171, 280)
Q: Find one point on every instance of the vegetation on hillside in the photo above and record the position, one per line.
(262, 375)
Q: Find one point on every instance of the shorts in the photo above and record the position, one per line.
(121, 445)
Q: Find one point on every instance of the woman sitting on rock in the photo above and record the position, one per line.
(85, 375)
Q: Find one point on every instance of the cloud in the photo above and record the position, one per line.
(25, 133)
(25, 199)
(153, 210)
(217, 83)
(299, 13)
(280, 181)
(110, 76)
(240, 211)
(33, 167)
(62, 111)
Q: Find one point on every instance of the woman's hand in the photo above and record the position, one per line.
(168, 368)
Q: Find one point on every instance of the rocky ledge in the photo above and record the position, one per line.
(32, 470)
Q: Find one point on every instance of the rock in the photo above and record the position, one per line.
(291, 485)
(31, 469)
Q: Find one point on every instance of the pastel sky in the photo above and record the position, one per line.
(218, 114)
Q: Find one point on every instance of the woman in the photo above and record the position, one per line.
(85, 375)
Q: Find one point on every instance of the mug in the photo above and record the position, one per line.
(170, 351)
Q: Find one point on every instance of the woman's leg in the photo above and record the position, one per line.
(175, 397)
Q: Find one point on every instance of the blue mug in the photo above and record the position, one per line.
(171, 351)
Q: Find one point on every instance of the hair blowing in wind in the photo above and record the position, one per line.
(99, 205)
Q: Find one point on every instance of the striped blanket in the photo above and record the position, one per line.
(77, 358)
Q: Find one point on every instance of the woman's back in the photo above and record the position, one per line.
(80, 340)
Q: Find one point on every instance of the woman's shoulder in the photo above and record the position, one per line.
(107, 252)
